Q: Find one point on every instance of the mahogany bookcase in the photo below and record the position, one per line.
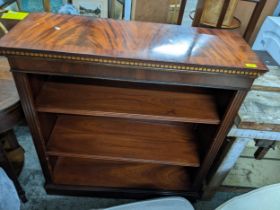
(127, 109)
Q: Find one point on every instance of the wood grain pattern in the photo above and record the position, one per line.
(120, 139)
(135, 102)
(127, 43)
(115, 174)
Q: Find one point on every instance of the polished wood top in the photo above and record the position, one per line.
(131, 43)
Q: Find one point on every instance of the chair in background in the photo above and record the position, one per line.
(11, 153)
(9, 4)
(262, 198)
(259, 5)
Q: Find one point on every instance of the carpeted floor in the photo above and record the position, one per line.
(32, 181)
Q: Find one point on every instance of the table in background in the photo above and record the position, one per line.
(10, 114)
(258, 120)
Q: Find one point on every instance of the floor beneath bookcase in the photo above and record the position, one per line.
(32, 181)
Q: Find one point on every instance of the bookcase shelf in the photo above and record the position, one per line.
(138, 103)
(114, 174)
(123, 139)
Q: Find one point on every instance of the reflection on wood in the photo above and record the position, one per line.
(102, 173)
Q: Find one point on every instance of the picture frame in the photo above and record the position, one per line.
(94, 8)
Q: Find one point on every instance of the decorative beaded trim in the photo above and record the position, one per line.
(129, 63)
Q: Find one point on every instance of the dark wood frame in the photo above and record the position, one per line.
(25, 92)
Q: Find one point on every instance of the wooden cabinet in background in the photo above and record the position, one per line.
(151, 11)
(127, 109)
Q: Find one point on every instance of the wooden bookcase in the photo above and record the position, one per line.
(127, 108)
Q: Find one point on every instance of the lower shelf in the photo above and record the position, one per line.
(117, 174)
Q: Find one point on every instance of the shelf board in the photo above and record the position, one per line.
(122, 139)
(114, 174)
(97, 100)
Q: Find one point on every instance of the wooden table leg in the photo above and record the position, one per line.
(10, 137)
(181, 12)
(7, 166)
(254, 19)
(264, 147)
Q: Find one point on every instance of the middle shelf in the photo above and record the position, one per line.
(140, 101)
(124, 140)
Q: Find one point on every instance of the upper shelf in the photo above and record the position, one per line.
(131, 43)
(133, 102)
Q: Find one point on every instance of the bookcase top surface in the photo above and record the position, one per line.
(131, 43)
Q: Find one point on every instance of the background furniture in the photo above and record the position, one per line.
(257, 120)
(10, 115)
(6, 25)
(165, 11)
(140, 119)
(47, 5)
(116, 9)
(277, 10)
(251, 25)
(268, 38)
(8, 3)
(143, 10)
(168, 203)
(263, 198)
